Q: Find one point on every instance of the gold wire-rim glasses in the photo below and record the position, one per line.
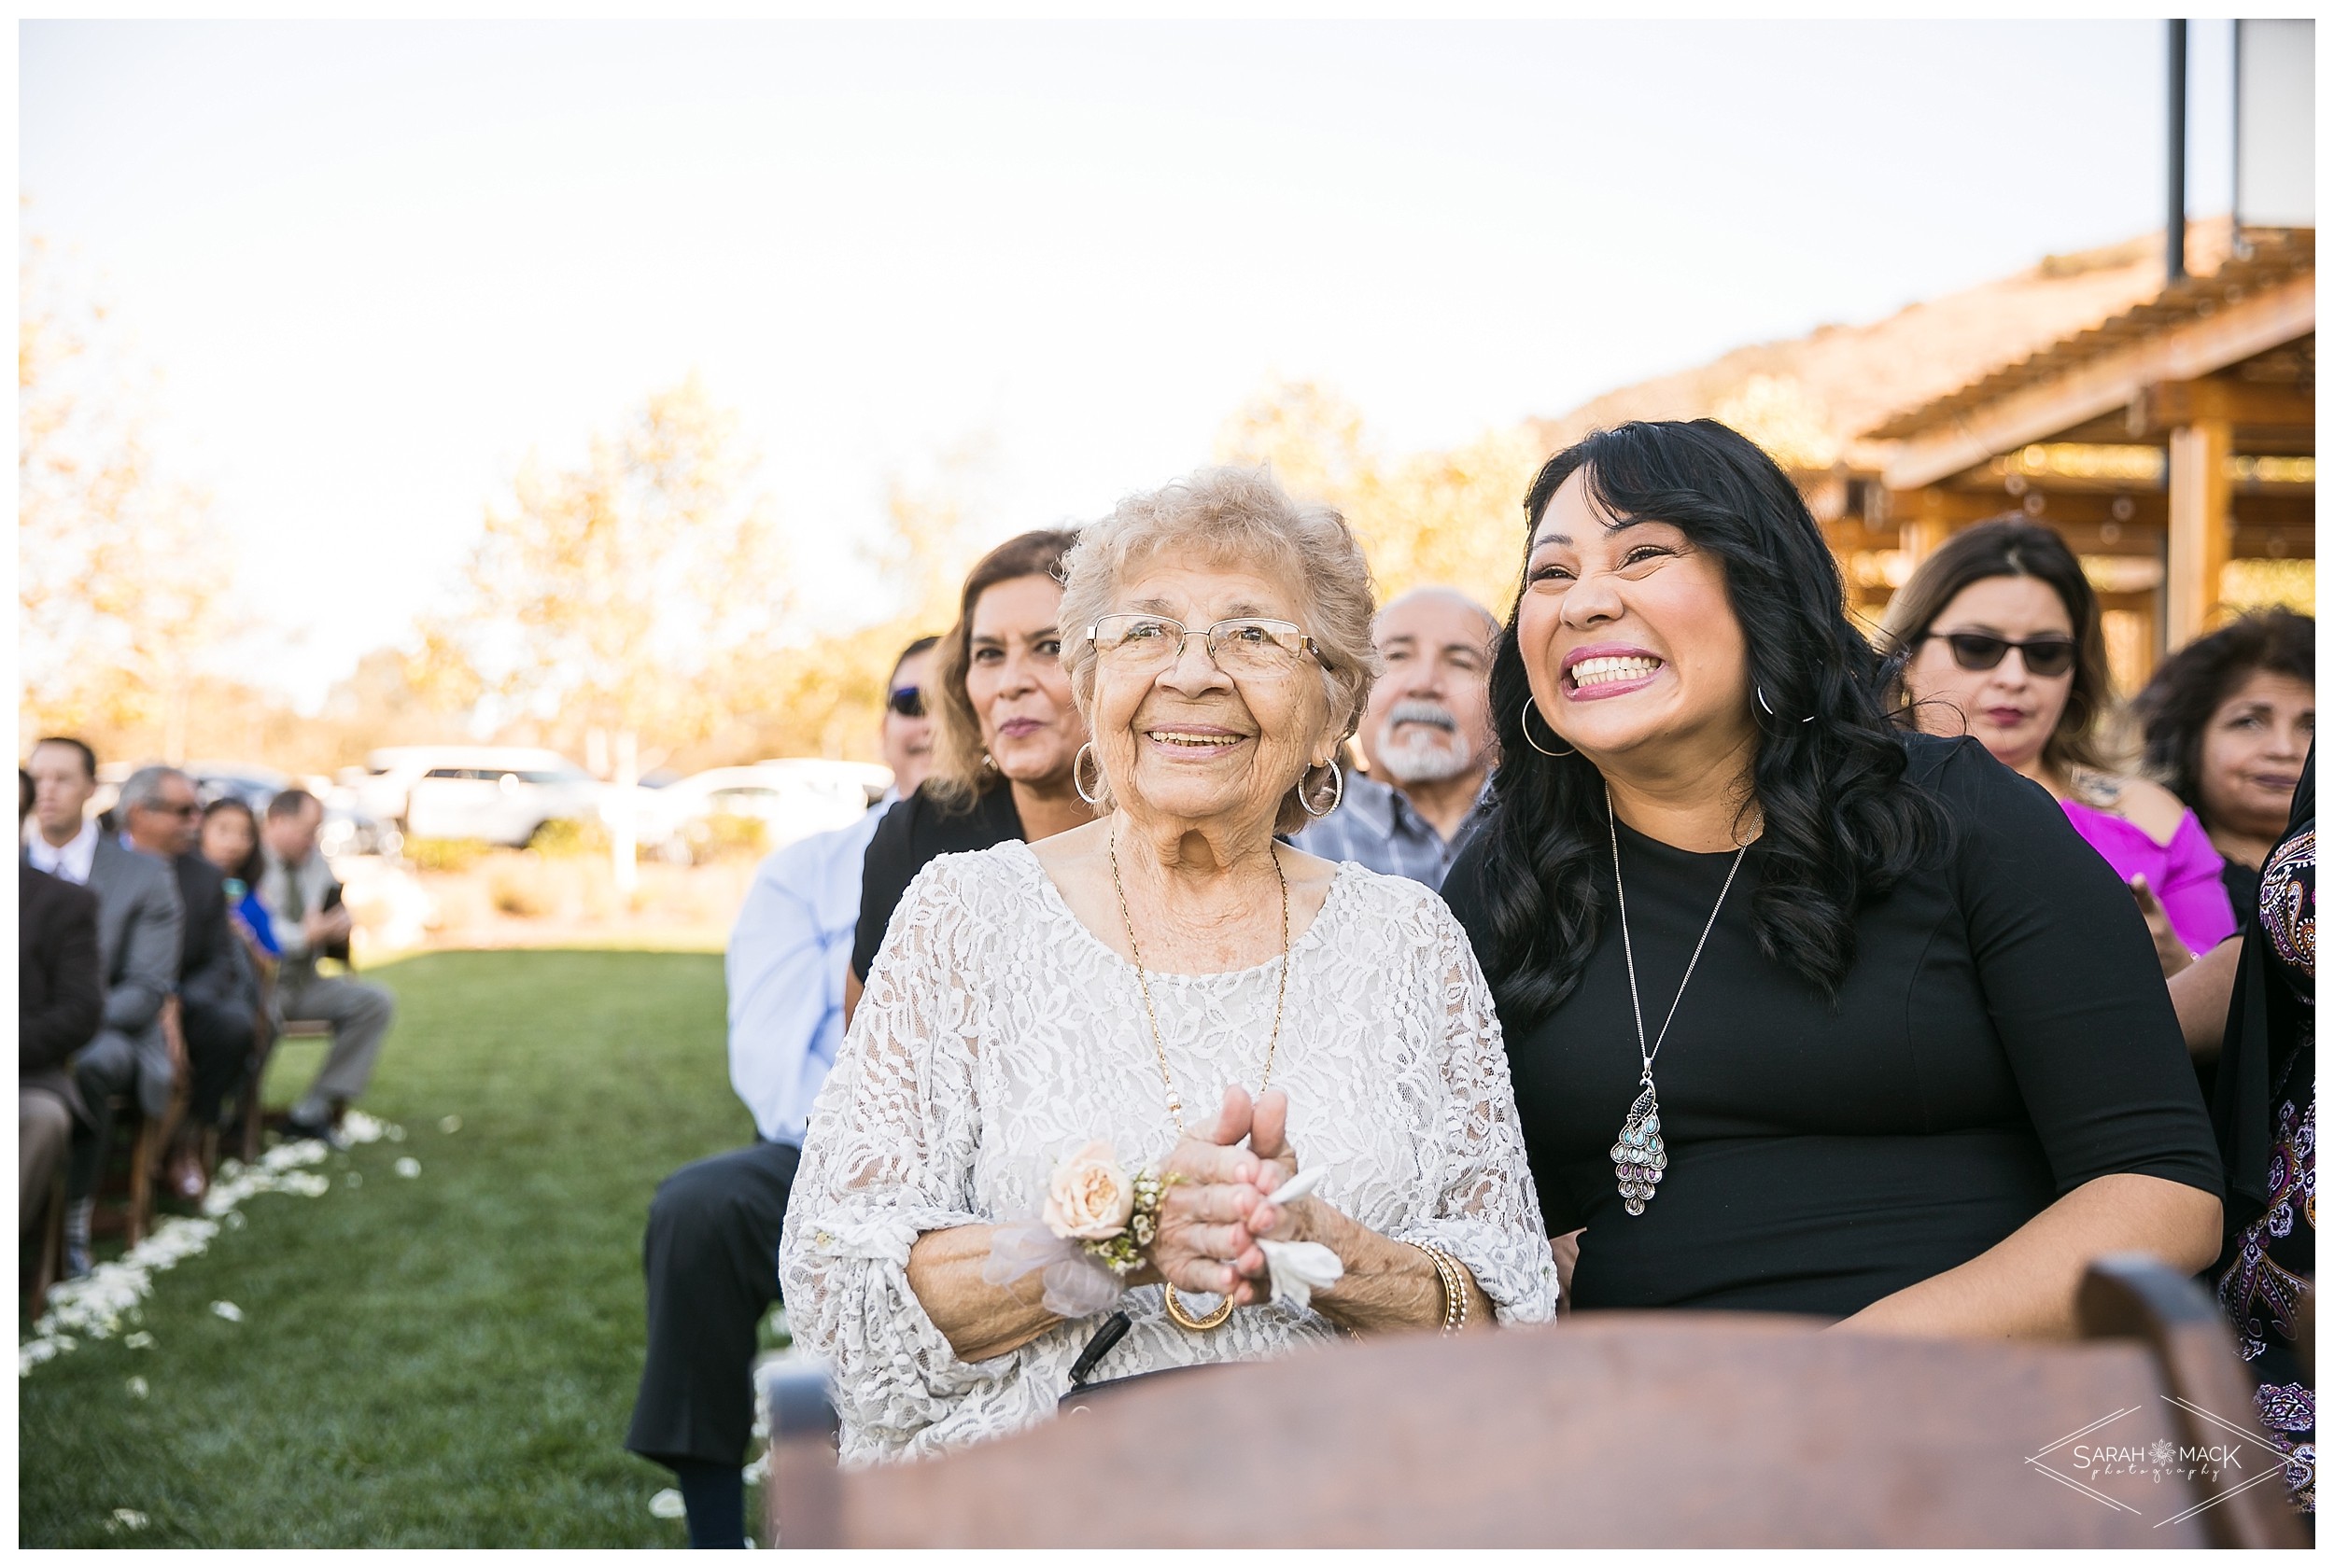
(1286, 636)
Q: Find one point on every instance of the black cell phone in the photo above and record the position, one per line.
(338, 950)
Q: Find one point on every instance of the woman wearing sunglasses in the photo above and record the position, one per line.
(2000, 637)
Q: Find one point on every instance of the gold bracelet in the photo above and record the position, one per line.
(1446, 1273)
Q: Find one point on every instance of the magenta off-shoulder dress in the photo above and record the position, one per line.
(2185, 874)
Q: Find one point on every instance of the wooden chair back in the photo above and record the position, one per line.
(1610, 1430)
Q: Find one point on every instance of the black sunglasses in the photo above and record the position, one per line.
(906, 701)
(2044, 655)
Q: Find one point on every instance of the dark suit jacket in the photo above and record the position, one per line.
(139, 920)
(211, 968)
(59, 988)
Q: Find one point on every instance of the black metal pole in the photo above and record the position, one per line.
(2176, 219)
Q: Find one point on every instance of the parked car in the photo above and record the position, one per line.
(252, 783)
(792, 798)
(503, 794)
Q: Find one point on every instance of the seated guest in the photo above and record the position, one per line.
(1005, 735)
(712, 1248)
(230, 842)
(2265, 1111)
(2228, 720)
(1805, 1014)
(1427, 735)
(139, 919)
(59, 1000)
(1997, 633)
(219, 994)
(1032, 999)
(302, 901)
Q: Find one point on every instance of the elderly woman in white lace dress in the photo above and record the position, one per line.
(1223, 1011)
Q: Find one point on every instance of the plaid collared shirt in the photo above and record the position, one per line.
(1377, 826)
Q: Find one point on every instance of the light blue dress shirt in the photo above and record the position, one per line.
(1375, 825)
(787, 955)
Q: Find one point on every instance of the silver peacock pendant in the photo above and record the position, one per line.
(1640, 1157)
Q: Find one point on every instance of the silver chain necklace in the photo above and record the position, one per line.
(1640, 1157)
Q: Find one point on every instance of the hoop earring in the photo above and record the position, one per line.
(1077, 776)
(1567, 751)
(1760, 692)
(1337, 798)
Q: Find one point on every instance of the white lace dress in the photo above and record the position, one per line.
(998, 1034)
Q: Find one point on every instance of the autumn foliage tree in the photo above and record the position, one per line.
(1453, 517)
(122, 591)
(619, 593)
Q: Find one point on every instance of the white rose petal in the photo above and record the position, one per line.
(141, 1340)
(128, 1518)
(228, 1310)
(667, 1505)
(408, 1166)
(449, 1125)
(136, 1387)
(355, 1179)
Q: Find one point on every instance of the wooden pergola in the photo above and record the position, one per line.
(2162, 444)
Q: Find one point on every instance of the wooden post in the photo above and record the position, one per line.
(2198, 482)
(1926, 523)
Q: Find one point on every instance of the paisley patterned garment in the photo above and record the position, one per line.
(2263, 1287)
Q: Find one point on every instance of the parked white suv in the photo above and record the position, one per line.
(503, 794)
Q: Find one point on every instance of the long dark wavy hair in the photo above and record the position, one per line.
(1842, 822)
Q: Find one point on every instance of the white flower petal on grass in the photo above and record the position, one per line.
(127, 1519)
(754, 1474)
(396, 1133)
(141, 1340)
(360, 1128)
(449, 1125)
(228, 1310)
(354, 1179)
(408, 1166)
(136, 1387)
(667, 1505)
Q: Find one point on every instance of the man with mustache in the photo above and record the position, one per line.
(1426, 734)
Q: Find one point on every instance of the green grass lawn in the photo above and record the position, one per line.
(448, 1360)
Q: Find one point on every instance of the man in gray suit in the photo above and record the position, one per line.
(303, 899)
(139, 921)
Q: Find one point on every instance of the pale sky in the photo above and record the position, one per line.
(378, 264)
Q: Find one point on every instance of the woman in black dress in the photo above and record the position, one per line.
(1006, 735)
(1805, 1013)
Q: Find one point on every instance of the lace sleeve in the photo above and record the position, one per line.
(1486, 1214)
(890, 1156)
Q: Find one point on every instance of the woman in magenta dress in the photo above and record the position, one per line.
(2000, 637)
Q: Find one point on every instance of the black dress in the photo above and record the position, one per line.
(2265, 1108)
(2004, 1037)
(913, 833)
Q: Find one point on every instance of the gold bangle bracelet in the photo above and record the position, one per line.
(1183, 1319)
(1447, 1276)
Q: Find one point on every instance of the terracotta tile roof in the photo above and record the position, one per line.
(2276, 256)
(1816, 401)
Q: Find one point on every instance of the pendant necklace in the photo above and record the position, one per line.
(1640, 1157)
(1174, 1101)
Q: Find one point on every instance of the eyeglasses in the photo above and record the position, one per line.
(2044, 655)
(906, 701)
(1245, 646)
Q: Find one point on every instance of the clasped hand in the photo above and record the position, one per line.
(1217, 1204)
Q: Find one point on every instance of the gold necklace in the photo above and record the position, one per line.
(1158, 1044)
